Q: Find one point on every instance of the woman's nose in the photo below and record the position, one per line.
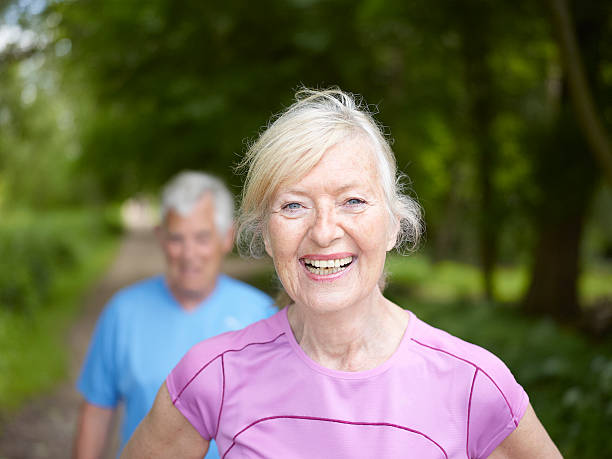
(326, 227)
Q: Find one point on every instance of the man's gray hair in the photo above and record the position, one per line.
(184, 191)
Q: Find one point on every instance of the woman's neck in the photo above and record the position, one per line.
(356, 338)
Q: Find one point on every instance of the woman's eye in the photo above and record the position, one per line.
(292, 206)
(355, 202)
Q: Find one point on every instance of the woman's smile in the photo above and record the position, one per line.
(327, 267)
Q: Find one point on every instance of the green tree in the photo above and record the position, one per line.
(178, 88)
(567, 174)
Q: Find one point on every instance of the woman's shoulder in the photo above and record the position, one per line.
(439, 344)
(261, 332)
(493, 391)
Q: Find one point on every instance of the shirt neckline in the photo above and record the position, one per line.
(383, 367)
(221, 278)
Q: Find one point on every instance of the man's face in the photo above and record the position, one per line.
(194, 250)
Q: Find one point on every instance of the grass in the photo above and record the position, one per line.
(34, 353)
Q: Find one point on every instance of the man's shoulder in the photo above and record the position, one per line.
(143, 286)
(146, 291)
(241, 290)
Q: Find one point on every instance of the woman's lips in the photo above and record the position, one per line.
(322, 267)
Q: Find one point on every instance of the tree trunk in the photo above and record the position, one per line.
(482, 109)
(579, 90)
(566, 177)
(553, 289)
(566, 173)
(446, 239)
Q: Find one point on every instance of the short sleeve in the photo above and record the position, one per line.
(98, 379)
(497, 404)
(196, 386)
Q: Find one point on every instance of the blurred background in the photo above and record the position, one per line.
(500, 114)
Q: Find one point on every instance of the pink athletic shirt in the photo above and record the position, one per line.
(259, 395)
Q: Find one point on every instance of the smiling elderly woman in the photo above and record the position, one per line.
(341, 372)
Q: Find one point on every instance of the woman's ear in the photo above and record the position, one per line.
(393, 233)
(266, 241)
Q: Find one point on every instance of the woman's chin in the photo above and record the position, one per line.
(325, 302)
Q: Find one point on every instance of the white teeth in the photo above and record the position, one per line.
(326, 267)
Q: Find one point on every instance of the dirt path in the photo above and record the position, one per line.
(44, 428)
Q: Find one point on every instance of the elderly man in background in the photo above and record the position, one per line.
(147, 327)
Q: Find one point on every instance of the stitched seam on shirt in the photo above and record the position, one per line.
(495, 439)
(216, 357)
(475, 366)
(467, 440)
(194, 377)
(337, 421)
(222, 396)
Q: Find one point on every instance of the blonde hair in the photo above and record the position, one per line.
(294, 142)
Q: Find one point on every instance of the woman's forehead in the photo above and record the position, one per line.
(346, 165)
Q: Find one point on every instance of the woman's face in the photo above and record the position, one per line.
(329, 232)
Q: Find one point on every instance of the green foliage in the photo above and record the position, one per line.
(195, 81)
(38, 145)
(597, 243)
(449, 281)
(152, 89)
(54, 258)
(39, 247)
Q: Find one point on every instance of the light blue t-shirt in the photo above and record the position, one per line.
(143, 333)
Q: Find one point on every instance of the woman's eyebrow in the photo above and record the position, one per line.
(284, 196)
(340, 189)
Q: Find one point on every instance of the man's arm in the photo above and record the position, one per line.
(92, 431)
(529, 439)
(165, 433)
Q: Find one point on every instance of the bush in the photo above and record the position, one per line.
(35, 248)
(48, 261)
